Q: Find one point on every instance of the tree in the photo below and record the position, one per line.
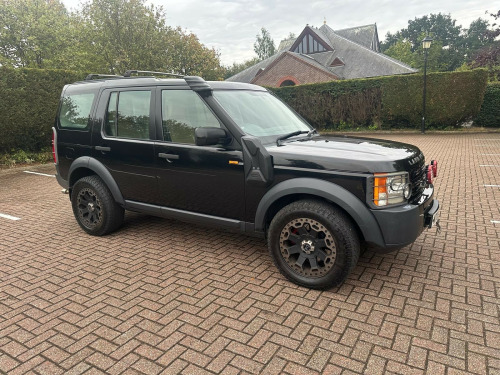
(401, 51)
(33, 33)
(457, 44)
(441, 26)
(477, 36)
(238, 67)
(489, 56)
(188, 56)
(124, 34)
(264, 45)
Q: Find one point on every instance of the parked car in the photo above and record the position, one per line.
(234, 156)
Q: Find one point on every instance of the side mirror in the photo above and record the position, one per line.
(210, 136)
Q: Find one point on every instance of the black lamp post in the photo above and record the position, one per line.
(426, 44)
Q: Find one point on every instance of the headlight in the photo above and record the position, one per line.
(391, 188)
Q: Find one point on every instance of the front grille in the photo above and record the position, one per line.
(418, 179)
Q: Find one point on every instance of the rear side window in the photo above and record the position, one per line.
(128, 114)
(75, 111)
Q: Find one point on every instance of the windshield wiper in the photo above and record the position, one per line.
(289, 135)
(311, 132)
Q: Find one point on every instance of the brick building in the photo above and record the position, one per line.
(323, 54)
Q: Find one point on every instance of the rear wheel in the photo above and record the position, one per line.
(313, 244)
(94, 208)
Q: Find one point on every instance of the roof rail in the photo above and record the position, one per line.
(92, 76)
(128, 73)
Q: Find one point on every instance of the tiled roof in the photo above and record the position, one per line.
(365, 35)
(360, 60)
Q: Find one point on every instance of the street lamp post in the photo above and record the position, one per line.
(426, 44)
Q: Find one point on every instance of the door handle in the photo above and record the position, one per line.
(168, 157)
(103, 148)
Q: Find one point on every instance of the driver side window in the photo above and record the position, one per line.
(182, 112)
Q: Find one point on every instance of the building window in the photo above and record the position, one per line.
(309, 44)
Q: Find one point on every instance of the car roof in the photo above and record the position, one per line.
(123, 82)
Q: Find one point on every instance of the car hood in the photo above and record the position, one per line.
(342, 153)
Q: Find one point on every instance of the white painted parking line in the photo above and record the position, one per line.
(5, 216)
(495, 221)
(41, 174)
(492, 186)
(490, 165)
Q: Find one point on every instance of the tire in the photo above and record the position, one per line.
(94, 208)
(313, 244)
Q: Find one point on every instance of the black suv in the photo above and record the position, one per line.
(234, 156)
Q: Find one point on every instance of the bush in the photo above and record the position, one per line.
(28, 103)
(489, 115)
(389, 102)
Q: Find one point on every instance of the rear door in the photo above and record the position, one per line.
(123, 141)
(200, 179)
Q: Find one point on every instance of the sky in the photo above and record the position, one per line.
(231, 26)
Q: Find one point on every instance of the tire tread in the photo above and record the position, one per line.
(332, 215)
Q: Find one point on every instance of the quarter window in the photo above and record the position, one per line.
(128, 114)
(75, 111)
(182, 112)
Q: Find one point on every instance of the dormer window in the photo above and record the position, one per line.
(337, 62)
(309, 42)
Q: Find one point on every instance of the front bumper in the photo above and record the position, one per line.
(400, 226)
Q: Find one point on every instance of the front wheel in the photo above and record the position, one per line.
(313, 244)
(94, 208)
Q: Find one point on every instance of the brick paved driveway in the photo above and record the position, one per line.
(161, 296)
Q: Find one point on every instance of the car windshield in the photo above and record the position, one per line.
(259, 113)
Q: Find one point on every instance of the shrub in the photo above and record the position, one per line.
(390, 102)
(28, 105)
(489, 115)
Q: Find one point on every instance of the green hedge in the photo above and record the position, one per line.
(28, 105)
(29, 99)
(489, 115)
(390, 102)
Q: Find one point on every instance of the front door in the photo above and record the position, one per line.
(124, 143)
(200, 179)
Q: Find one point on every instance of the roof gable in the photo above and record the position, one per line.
(310, 42)
(302, 59)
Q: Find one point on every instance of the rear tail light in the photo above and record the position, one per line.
(434, 164)
(54, 145)
(430, 174)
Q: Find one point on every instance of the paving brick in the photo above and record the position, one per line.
(131, 304)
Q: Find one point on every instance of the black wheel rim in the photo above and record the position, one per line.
(89, 208)
(308, 247)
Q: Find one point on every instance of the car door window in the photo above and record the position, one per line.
(128, 114)
(182, 112)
